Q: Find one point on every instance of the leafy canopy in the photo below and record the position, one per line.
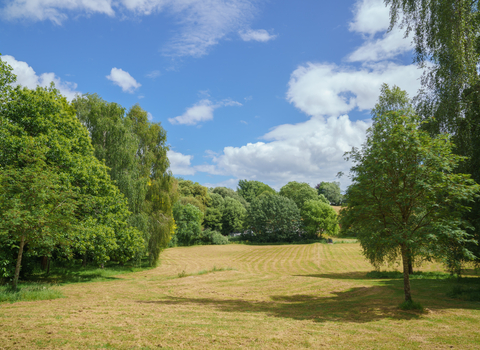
(405, 199)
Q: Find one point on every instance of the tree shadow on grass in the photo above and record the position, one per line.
(356, 305)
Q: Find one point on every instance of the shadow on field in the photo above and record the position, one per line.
(356, 305)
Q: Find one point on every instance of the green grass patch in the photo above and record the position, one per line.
(417, 275)
(203, 272)
(29, 292)
(466, 289)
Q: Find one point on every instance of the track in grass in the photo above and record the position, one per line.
(278, 297)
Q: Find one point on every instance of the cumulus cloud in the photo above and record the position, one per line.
(327, 89)
(202, 111)
(311, 151)
(202, 23)
(180, 164)
(370, 17)
(390, 45)
(256, 35)
(27, 77)
(123, 79)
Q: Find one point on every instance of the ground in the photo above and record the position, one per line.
(267, 297)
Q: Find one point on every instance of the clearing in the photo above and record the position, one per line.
(266, 297)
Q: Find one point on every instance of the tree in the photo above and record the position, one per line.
(43, 120)
(214, 212)
(319, 218)
(273, 218)
(134, 149)
(446, 41)
(233, 216)
(331, 191)
(300, 193)
(37, 208)
(188, 219)
(405, 199)
(253, 189)
(193, 193)
(228, 192)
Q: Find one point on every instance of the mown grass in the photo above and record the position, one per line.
(273, 297)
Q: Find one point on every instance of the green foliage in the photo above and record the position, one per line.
(250, 190)
(39, 134)
(233, 216)
(411, 305)
(135, 152)
(214, 212)
(446, 36)
(331, 191)
(405, 199)
(188, 219)
(193, 193)
(273, 218)
(214, 237)
(228, 192)
(300, 193)
(319, 219)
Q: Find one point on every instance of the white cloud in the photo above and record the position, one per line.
(203, 23)
(123, 79)
(371, 16)
(27, 77)
(202, 111)
(149, 116)
(153, 74)
(311, 151)
(180, 164)
(326, 89)
(230, 183)
(54, 10)
(390, 45)
(256, 35)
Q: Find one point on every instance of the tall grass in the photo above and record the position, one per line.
(29, 292)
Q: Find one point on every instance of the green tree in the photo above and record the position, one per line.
(253, 189)
(233, 216)
(331, 191)
(193, 193)
(214, 212)
(188, 219)
(135, 152)
(37, 208)
(273, 218)
(228, 192)
(319, 218)
(300, 193)
(43, 120)
(405, 199)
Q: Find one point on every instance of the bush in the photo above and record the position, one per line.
(411, 305)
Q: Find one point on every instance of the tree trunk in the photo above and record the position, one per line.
(48, 266)
(410, 266)
(406, 276)
(44, 262)
(84, 262)
(19, 263)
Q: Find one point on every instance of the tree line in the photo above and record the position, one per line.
(255, 211)
(88, 181)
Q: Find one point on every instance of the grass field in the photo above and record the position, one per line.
(241, 296)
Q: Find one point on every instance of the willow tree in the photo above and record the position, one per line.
(135, 151)
(406, 200)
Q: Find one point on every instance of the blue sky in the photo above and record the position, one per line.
(274, 91)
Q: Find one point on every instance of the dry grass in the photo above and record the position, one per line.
(270, 297)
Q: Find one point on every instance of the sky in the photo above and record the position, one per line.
(274, 91)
